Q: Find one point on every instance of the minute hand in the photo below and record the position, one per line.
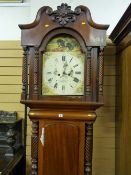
(65, 65)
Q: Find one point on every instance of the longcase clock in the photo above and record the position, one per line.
(63, 86)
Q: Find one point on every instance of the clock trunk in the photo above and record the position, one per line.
(61, 153)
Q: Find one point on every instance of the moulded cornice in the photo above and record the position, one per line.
(122, 28)
(49, 11)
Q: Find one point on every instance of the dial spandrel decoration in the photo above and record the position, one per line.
(63, 68)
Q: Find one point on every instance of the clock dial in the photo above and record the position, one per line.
(63, 73)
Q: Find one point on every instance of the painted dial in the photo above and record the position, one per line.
(63, 73)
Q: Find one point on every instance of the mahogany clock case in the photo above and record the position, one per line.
(62, 125)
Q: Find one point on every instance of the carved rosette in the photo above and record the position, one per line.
(88, 81)
(101, 72)
(63, 15)
(34, 148)
(88, 148)
(36, 72)
(25, 74)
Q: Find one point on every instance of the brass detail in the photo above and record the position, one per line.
(31, 113)
(83, 23)
(46, 25)
(89, 115)
(60, 115)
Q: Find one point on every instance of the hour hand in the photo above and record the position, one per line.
(70, 73)
(63, 74)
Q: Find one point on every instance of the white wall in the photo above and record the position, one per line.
(103, 11)
(9, 20)
(12, 14)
